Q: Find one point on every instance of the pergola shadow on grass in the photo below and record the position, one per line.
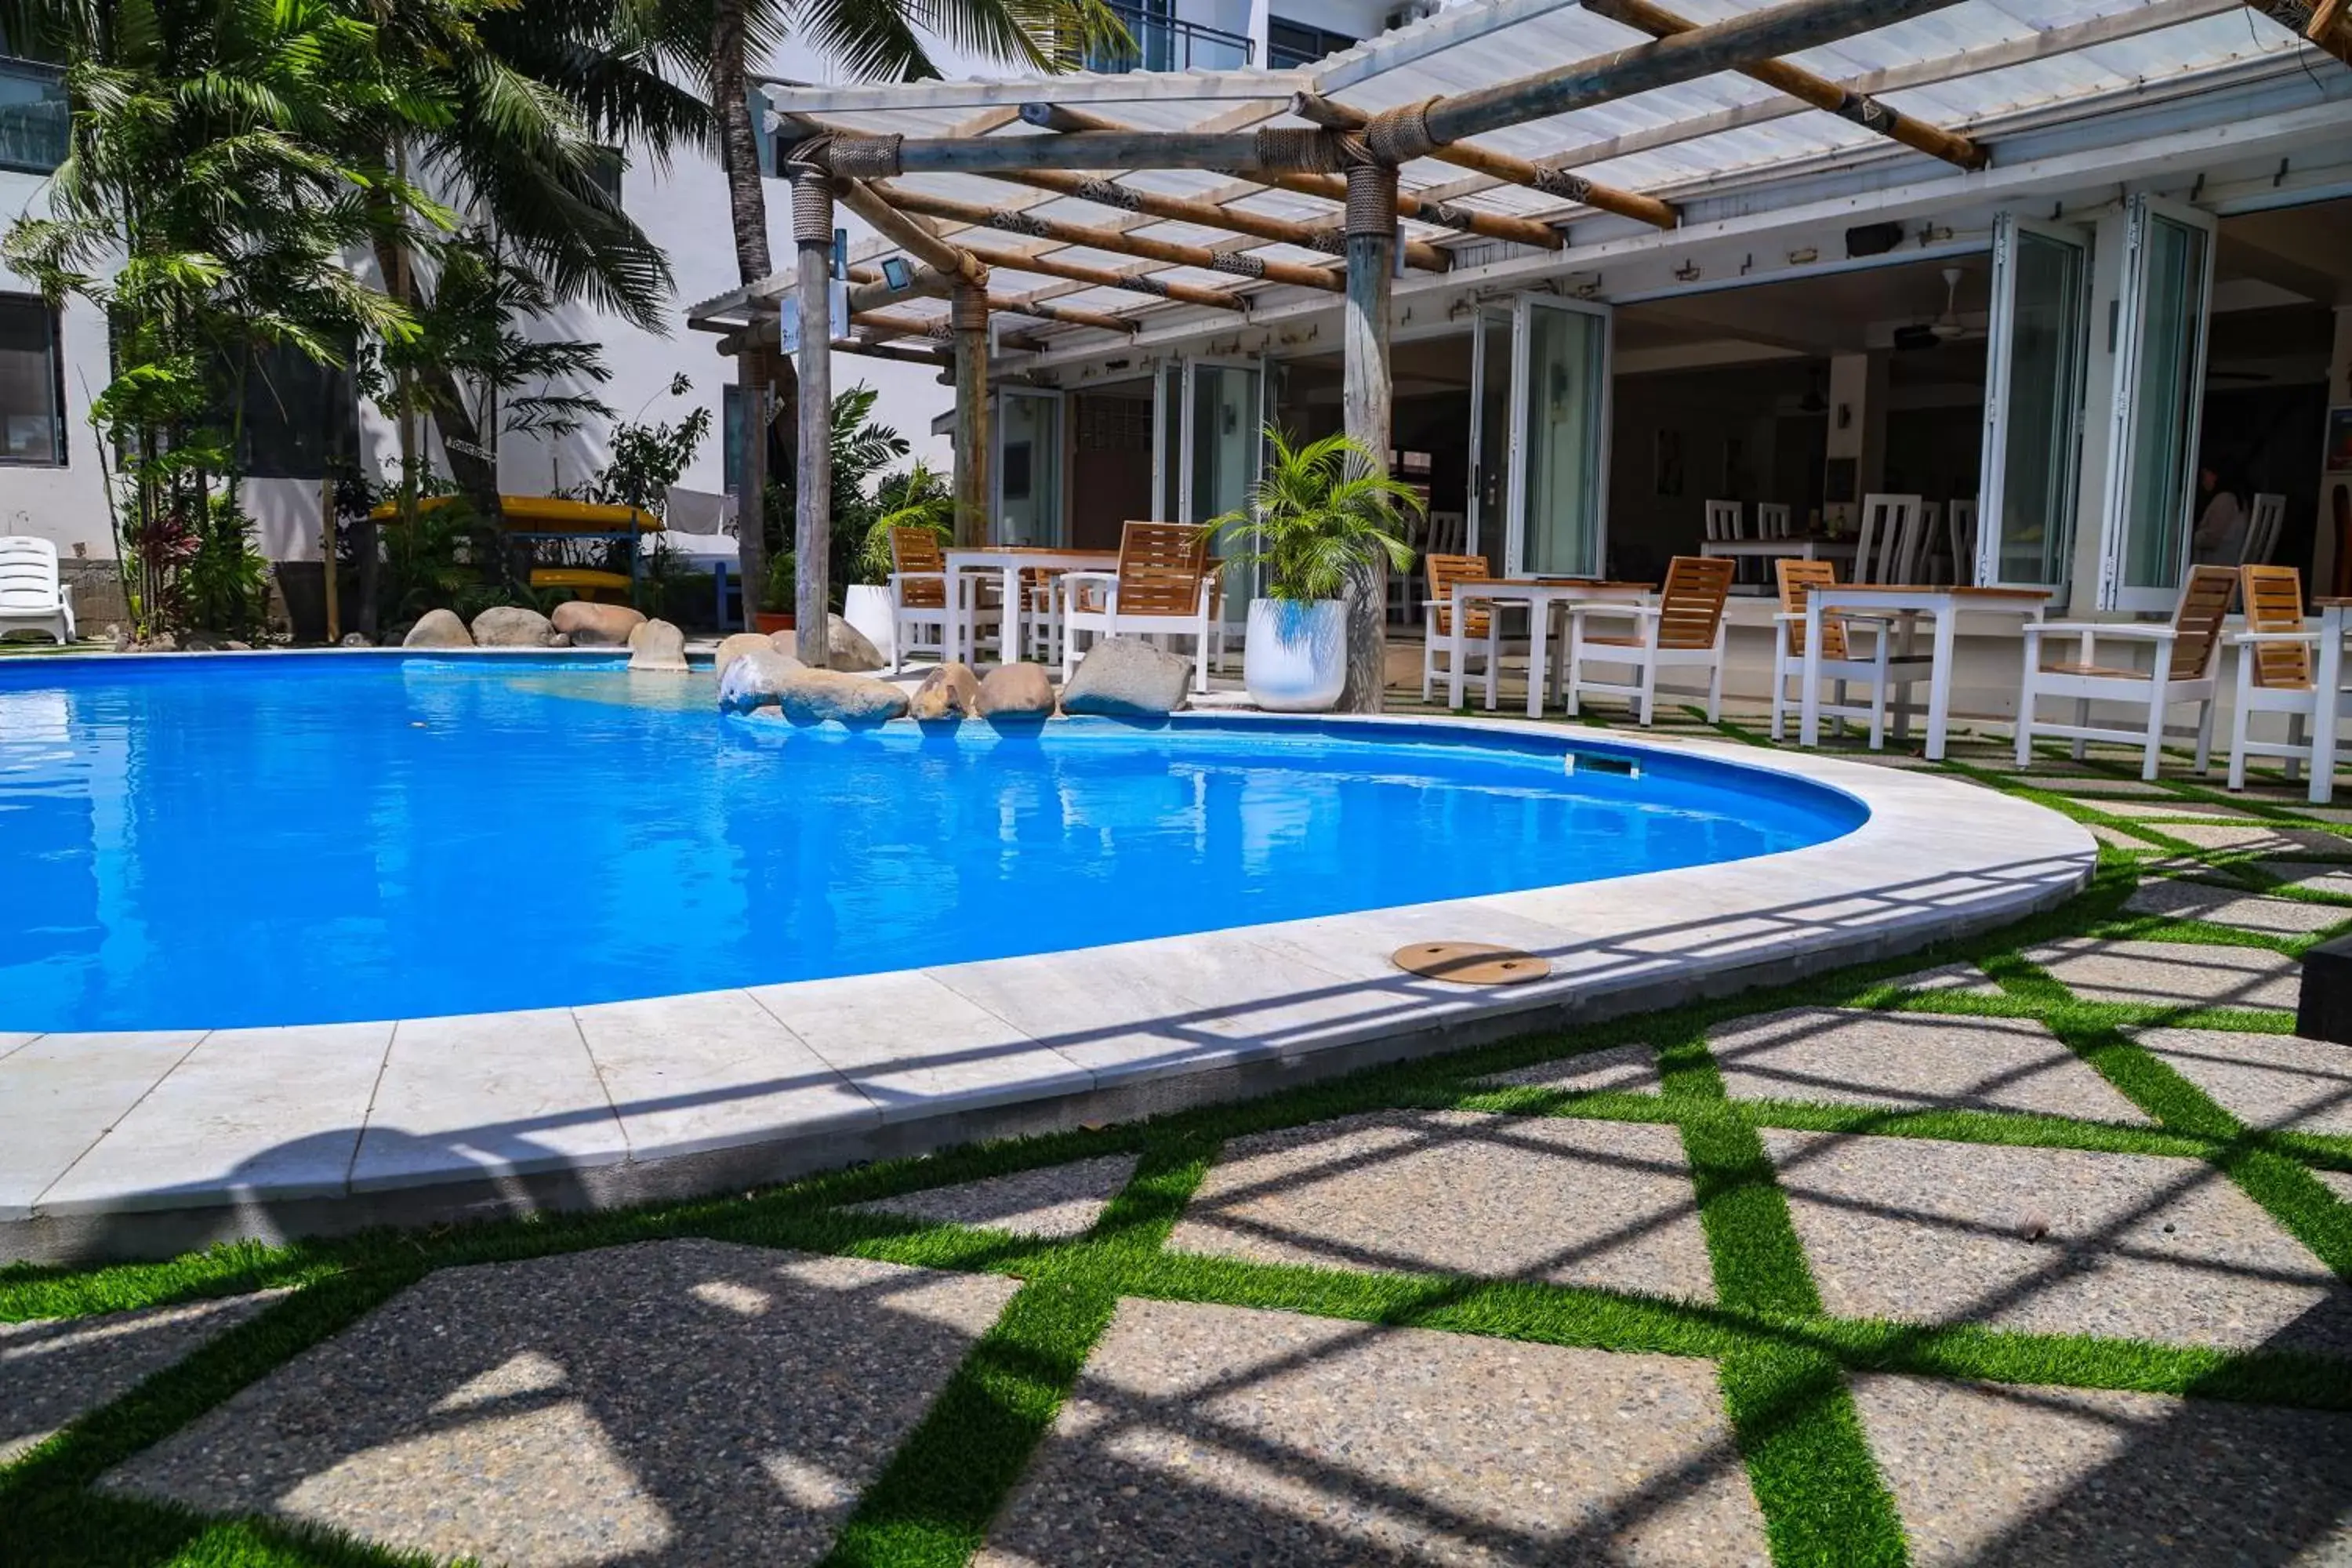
(1787, 1369)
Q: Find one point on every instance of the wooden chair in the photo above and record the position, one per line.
(918, 597)
(1890, 532)
(1480, 634)
(1882, 668)
(1684, 631)
(33, 592)
(1163, 589)
(2181, 669)
(2276, 674)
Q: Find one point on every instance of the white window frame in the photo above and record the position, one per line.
(2139, 215)
(1523, 310)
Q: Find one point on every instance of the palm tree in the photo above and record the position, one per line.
(1320, 516)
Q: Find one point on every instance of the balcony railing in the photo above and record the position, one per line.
(34, 116)
(1163, 43)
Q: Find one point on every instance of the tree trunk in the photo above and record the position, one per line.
(747, 203)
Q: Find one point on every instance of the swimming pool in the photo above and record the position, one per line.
(314, 839)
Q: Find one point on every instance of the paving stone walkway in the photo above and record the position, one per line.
(2031, 1250)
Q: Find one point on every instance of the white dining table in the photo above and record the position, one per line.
(2327, 723)
(1941, 603)
(1796, 547)
(1539, 595)
(962, 636)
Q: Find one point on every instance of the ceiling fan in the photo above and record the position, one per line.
(1947, 328)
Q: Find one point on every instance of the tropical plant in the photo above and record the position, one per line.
(919, 497)
(1319, 514)
(780, 590)
(205, 203)
(647, 458)
(862, 447)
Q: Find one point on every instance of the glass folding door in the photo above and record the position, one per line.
(2034, 405)
(1222, 444)
(2168, 286)
(1489, 507)
(1028, 467)
(1560, 437)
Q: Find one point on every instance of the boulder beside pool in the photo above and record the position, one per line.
(1127, 678)
(736, 646)
(512, 626)
(847, 648)
(657, 645)
(436, 629)
(949, 691)
(1017, 691)
(591, 624)
(813, 696)
(756, 680)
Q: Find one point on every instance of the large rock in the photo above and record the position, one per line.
(949, 691)
(734, 647)
(511, 626)
(591, 624)
(813, 696)
(756, 679)
(657, 645)
(1017, 691)
(847, 647)
(1127, 678)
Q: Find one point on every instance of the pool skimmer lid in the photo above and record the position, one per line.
(1470, 963)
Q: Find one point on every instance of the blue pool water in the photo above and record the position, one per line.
(308, 839)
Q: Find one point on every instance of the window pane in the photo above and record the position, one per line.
(2164, 406)
(1225, 442)
(1563, 450)
(32, 426)
(300, 416)
(34, 116)
(2037, 486)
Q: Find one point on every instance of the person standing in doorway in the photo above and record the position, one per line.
(2220, 536)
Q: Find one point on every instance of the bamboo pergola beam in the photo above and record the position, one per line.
(1502, 166)
(1208, 215)
(1409, 131)
(1805, 86)
(919, 242)
(1333, 188)
(1115, 240)
(1049, 266)
(2327, 23)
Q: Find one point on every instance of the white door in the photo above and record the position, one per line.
(1489, 505)
(1167, 440)
(1222, 450)
(1559, 438)
(2034, 352)
(2168, 289)
(1026, 470)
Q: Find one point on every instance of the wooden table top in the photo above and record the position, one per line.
(1554, 582)
(1031, 550)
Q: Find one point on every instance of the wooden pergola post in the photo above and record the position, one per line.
(812, 489)
(1367, 398)
(968, 327)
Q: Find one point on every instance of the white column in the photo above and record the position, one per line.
(2330, 573)
(1857, 427)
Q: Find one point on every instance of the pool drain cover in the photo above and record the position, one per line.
(1470, 963)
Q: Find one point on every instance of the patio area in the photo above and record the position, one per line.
(2031, 1247)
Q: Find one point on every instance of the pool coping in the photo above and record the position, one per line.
(142, 1144)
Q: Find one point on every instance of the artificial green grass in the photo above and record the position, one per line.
(1782, 1362)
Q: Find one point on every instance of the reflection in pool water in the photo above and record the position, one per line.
(222, 843)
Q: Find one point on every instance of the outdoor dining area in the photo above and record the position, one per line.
(1879, 655)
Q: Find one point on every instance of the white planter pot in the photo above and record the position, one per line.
(868, 607)
(1296, 660)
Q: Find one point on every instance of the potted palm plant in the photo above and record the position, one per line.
(779, 596)
(1319, 514)
(919, 497)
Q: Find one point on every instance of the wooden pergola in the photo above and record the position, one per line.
(1314, 146)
